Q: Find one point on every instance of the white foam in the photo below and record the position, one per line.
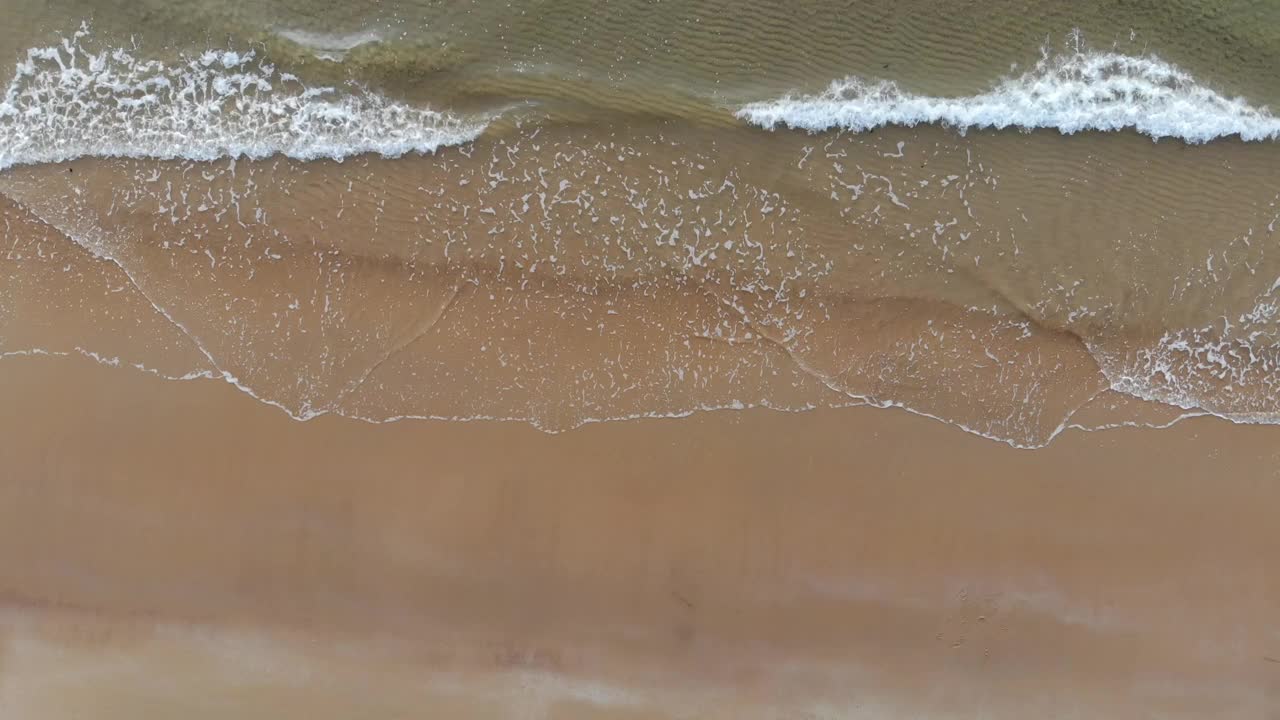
(66, 102)
(1070, 93)
(329, 46)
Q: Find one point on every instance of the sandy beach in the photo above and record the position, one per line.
(845, 563)
(639, 360)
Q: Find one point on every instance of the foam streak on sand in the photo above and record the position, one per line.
(1070, 93)
(66, 102)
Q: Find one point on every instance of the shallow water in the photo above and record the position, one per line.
(699, 52)
(571, 212)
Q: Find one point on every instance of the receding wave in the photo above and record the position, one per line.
(1075, 92)
(66, 101)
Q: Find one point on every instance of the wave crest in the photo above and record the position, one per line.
(1070, 93)
(65, 102)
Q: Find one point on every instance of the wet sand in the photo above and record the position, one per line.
(176, 549)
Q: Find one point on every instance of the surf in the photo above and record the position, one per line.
(66, 101)
(1073, 92)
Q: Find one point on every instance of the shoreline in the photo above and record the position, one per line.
(636, 290)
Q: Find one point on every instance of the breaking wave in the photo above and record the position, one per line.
(66, 102)
(1070, 93)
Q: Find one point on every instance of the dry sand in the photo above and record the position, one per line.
(178, 550)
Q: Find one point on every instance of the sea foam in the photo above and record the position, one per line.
(329, 46)
(1068, 92)
(66, 101)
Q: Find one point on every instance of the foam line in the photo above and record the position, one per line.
(1070, 93)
